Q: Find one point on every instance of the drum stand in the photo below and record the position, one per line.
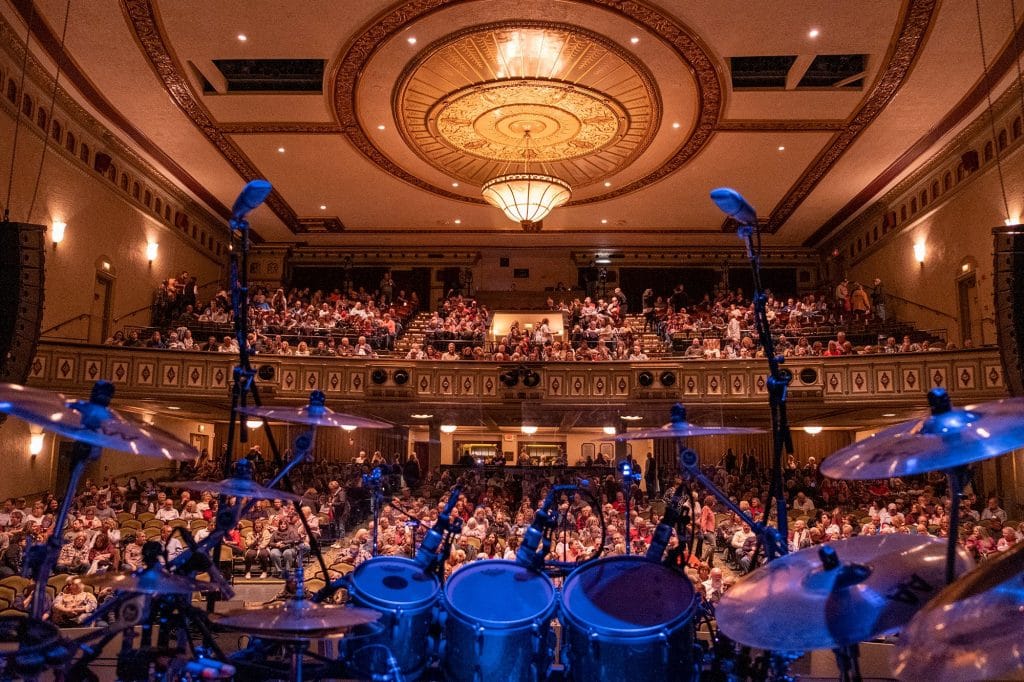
(376, 485)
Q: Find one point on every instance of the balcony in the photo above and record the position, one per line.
(392, 388)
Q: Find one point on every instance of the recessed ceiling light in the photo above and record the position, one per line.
(631, 417)
(676, 124)
(782, 148)
(455, 184)
(421, 416)
(280, 150)
(173, 407)
(242, 37)
(889, 414)
(607, 184)
(411, 40)
(634, 40)
(604, 221)
(458, 221)
(380, 127)
(813, 33)
(323, 207)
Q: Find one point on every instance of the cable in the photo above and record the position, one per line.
(49, 113)
(991, 116)
(17, 113)
(1016, 50)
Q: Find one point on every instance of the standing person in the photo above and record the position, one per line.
(843, 299)
(651, 475)
(411, 472)
(878, 299)
(387, 287)
(860, 303)
(338, 500)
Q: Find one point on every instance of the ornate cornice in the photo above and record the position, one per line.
(247, 128)
(687, 46)
(319, 226)
(917, 19)
(794, 125)
(142, 18)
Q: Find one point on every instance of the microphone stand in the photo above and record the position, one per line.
(778, 389)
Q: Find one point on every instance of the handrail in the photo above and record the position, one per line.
(148, 306)
(57, 326)
(923, 307)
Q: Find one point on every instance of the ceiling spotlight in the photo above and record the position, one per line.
(455, 184)
(411, 40)
(604, 221)
(280, 150)
(528, 429)
(634, 40)
(609, 430)
(242, 37)
(421, 416)
(676, 125)
(323, 207)
(813, 33)
(889, 414)
(607, 184)
(448, 428)
(782, 148)
(380, 127)
(458, 221)
(173, 407)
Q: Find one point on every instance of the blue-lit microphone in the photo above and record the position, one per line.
(253, 194)
(732, 203)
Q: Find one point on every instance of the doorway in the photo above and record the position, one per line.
(970, 309)
(102, 303)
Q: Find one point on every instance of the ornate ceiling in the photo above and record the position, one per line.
(629, 102)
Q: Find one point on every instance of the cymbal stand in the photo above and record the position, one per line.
(957, 477)
(778, 389)
(375, 484)
(848, 660)
(771, 538)
(41, 558)
(629, 478)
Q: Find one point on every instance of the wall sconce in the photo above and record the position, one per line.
(252, 424)
(448, 428)
(151, 249)
(919, 252)
(813, 430)
(528, 429)
(609, 430)
(57, 229)
(35, 444)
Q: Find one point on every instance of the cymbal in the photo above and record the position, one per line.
(942, 441)
(678, 427)
(91, 422)
(237, 487)
(154, 581)
(314, 414)
(970, 630)
(297, 618)
(795, 604)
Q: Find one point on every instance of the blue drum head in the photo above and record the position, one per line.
(499, 593)
(394, 581)
(627, 596)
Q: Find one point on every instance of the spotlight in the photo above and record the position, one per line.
(667, 378)
(400, 377)
(510, 378)
(378, 376)
(531, 379)
(645, 378)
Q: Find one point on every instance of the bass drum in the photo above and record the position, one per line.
(626, 618)
(398, 588)
(497, 623)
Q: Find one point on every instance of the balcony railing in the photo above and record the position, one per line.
(969, 376)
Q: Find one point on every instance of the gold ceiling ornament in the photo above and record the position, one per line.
(591, 107)
(526, 197)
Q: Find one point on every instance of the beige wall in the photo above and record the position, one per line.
(547, 268)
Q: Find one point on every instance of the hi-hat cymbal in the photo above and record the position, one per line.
(970, 630)
(948, 438)
(154, 581)
(297, 618)
(795, 604)
(678, 427)
(236, 487)
(91, 422)
(315, 413)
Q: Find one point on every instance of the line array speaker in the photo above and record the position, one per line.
(21, 305)
(1008, 278)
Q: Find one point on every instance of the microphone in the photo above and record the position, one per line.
(732, 203)
(253, 194)
(534, 546)
(426, 553)
(663, 533)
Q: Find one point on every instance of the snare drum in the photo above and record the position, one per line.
(627, 618)
(398, 588)
(497, 618)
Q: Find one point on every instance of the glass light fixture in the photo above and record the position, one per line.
(348, 427)
(253, 423)
(57, 229)
(813, 430)
(35, 444)
(448, 428)
(919, 252)
(528, 429)
(526, 197)
(609, 430)
(151, 249)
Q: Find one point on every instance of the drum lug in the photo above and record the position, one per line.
(592, 638)
(479, 640)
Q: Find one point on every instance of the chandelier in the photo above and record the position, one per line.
(526, 197)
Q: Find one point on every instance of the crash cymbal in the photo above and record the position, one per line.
(948, 438)
(314, 414)
(794, 603)
(154, 581)
(237, 487)
(678, 427)
(91, 421)
(298, 618)
(970, 630)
